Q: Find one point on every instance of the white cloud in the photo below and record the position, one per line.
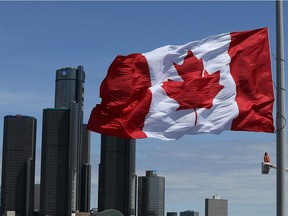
(200, 170)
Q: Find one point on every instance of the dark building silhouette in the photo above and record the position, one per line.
(18, 165)
(85, 190)
(216, 206)
(189, 213)
(69, 93)
(171, 213)
(54, 199)
(73, 148)
(151, 194)
(117, 179)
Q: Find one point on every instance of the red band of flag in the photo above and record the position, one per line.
(222, 82)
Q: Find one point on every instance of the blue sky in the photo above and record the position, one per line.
(37, 38)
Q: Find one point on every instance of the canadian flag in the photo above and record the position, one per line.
(222, 82)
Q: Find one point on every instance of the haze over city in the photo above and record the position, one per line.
(37, 38)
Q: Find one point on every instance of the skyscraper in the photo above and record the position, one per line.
(216, 206)
(151, 194)
(54, 187)
(69, 96)
(117, 175)
(18, 164)
(69, 93)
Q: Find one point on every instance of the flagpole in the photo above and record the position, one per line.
(280, 119)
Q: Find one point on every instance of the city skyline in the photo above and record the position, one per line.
(195, 167)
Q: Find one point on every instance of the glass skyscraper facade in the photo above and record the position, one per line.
(117, 175)
(69, 95)
(151, 194)
(18, 165)
(54, 188)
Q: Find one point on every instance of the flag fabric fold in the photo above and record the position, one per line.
(222, 82)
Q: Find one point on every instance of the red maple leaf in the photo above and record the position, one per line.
(198, 88)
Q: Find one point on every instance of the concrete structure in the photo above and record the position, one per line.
(37, 198)
(82, 214)
(117, 179)
(10, 213)
(18, 165)
(151, 194)
(216, 206)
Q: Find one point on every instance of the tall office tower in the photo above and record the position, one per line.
(71, 143)
(54, 187)
(117, 179)
(69, 93)
(189, 213)
(151, 194)
(216, 207)
(18, 164)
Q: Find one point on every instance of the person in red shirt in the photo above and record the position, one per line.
(266, 158)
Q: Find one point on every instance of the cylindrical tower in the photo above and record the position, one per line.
(69, 87)
(116, 175)
(18, 164)
(69, 93)
(151, 194)
(54, 192)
